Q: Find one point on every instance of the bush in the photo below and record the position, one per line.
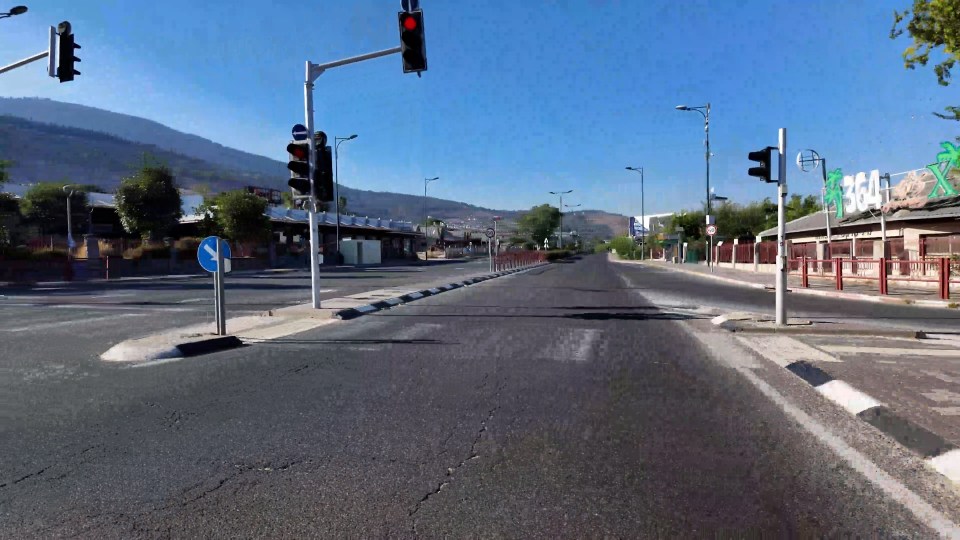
(12, 253)
(187, 247)
(49, 255)
(601, 248)
(147, 252)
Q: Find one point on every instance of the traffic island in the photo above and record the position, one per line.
(763, 324)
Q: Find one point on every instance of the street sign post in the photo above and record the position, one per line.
(299, 132)
(213, 254)
(712, 230)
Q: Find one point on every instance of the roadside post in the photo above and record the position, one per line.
(490, 233)
(213, 254)
(711, 231)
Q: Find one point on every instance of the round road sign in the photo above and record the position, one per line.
(490, 232)
(711, 230)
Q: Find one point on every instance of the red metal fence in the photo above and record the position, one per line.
(936, 273)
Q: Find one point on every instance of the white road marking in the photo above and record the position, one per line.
(947, 464)
(847, 396)
(587, 338)
(783, 350)
(853, 349)
(942, 395)
(48, 288)
(115, 307)
(191, 300)
(858, 461)
(947, 411)
(43, 326)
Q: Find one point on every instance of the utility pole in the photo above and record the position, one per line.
(560, 236)
(426, 226)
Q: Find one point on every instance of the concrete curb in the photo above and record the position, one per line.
(132, 351)
(811, 292)
(359, 311)
(736, 326)
(934, 449)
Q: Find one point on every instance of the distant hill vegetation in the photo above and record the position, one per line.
(48, 140)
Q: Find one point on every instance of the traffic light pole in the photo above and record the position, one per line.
(313, 71)
(51, 53)
(781, 228)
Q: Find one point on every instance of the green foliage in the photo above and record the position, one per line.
(148, 251)
(4, 176)
(45, 205)
(741, 221)
(49, 255)
(539, 223)
(187, 247)
(625, 247)
(342, 204)
(602, 247)
(240, 215)
(149, 203)
(932, 24)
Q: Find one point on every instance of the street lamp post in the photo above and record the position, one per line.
(15, 10)
(426, 236)
(70, 243)
(336, 188)
(560, 236)
(571, 232)
(643, 215)
(705, 111)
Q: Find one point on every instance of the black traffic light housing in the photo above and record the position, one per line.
(299, 166)
(413, 46)
(65, 49)
(765, 159)
(323, 176)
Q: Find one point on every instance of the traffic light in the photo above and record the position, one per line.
(763, 157)
(65, 57)
(413, 48)
(323, 175)
(299, 166)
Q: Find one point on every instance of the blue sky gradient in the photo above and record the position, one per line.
(521, 98)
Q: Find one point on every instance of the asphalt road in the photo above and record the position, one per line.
(554, 403)
(667, 287)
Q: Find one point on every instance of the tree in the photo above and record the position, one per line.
(539, 223)
(242, 216)
(148, 202)
(3, 172)
(342, 204)
(932, 24)
(45, 205)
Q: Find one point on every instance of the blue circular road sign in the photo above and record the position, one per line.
(299, 132)
(207, 253)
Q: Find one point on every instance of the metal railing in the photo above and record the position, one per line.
(881, 273)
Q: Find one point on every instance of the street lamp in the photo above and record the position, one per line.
(643, 215)
(560, 236)
(705, 111)
(15, 10)
(336, 188)
(70, 243)
(426, 235)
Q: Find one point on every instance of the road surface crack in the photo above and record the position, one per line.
(471, 455)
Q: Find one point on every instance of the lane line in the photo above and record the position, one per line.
(43, 326)
(947, 464)
(587, 339)
(892, 487)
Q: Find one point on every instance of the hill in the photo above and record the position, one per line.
(50, 141)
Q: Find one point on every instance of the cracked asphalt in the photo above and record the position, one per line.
(550, 404)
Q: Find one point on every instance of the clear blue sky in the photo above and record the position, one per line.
(522, 97)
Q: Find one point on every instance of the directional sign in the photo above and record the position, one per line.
(711, 230)
(207, 254)
(299, 132)
(490, 232)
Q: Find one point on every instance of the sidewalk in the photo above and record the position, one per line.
(818, 286)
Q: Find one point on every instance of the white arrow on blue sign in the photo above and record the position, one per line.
(207, 254)
(299, 132)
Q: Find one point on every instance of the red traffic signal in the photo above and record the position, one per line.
(299, 151)
(412, 44)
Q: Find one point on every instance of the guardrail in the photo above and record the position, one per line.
(932, 273)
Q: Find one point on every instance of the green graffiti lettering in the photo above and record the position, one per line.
(834, 194)
(951, 157)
